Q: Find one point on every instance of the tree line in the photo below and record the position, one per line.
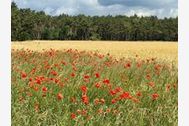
(27, 24)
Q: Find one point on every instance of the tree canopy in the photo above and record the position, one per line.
(28, 24)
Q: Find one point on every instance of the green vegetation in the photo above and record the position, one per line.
(78, 88)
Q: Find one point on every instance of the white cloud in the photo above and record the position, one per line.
(174, 12)
(161, 13)
(95, 7)
(141, 3)
(140, 12)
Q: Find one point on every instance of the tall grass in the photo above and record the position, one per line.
(72, 87)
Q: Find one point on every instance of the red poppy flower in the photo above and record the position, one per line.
(59, 96)
(139, 94)
(56, 80)
(23, 75)
(106, 81)
(127, 65)
(42, 78)
(97, 85)
(152, 84)
(112, 92)
(64, 63)
(114, 101)
(148, 76)
(83, 89)
(85, 99)
(56, 65)
(44, 89)
(73, 115)
(86, 76)
(97, 75)
(30, 79)
(38, 81)
(125, 95)
(157, 67)
(155, 96)
(54, 73)
(72, 74)
(118, 89)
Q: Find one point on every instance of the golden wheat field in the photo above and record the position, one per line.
(161, 50)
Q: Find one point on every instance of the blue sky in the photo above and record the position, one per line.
(160, 8)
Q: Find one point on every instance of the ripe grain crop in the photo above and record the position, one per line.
(165, 51)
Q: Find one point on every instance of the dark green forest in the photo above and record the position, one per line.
(27, 24)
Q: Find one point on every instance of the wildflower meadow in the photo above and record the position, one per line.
(86, 88)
